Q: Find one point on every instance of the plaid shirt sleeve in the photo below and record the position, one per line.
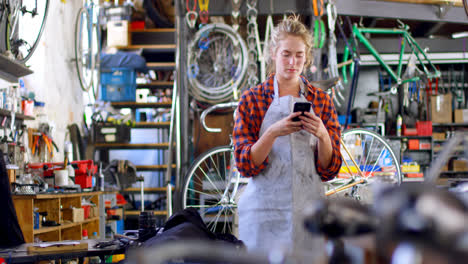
(325, 109)
(250, 113)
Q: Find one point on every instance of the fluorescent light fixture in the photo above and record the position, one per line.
(460, 35)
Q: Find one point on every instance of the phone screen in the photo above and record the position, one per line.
(301, 107)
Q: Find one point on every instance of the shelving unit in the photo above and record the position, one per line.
(11, 70)
(54, 205)
(158, 47)
(457, 154)
(7, 113)
(420, 155)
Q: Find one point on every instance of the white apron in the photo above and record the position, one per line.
(272, 205)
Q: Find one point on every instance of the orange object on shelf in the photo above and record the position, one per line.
(414, 175)
(413, 144)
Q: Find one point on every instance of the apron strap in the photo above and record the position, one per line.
(302, 92)
(275, 86)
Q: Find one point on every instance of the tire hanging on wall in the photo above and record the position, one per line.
(156, 15)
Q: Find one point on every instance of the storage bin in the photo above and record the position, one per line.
(118, 85)
(110, 133)
(424, 128)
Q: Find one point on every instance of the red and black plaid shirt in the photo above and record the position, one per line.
(253, 106)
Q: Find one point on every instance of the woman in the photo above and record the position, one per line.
(287, 160)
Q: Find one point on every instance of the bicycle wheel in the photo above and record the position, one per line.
(374, 157)
(210, 186)
(217, 63)
(24, 26)
(86, 51)
(465, 4)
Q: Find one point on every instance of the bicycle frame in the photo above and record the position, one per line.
(406, 38)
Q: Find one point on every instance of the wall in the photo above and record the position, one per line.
(55, 80)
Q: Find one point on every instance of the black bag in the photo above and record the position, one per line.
(10, 231)
(188, 224)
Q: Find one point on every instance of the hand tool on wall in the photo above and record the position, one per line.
(191, 15)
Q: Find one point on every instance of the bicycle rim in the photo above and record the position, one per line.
(96, 61)
(217, 63)
(209, 189)
(23, 31)
(374, 157)
(465, 4)
(84, 60)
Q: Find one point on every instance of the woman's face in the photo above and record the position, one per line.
(290, 57)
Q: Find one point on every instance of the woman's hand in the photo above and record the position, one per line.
(286, 126)
(314, 125)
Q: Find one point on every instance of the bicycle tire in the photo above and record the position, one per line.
(84, 61)
(380, 162)
(465, 5)
(217, 63)
(16, 51)
(205, 187)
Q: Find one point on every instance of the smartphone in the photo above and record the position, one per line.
(301, 107)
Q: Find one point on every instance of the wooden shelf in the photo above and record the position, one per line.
(152, 167)
(53, 204)
(408, 137)
(430, 2)
(20, 116)
(140, 105)
(132, 146)
(53, 195)
(406, 179)
(136, 212)
(418, 150)
(11, 70)
(153, 30)
(147, 189)
(161, 47)
(152, 124)
(47, 229)
(156, 85)
(161, 65)
(454, 172)
(450, 125)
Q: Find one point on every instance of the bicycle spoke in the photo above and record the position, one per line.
(203, 193)
(210, 181)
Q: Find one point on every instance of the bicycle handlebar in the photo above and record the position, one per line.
(213, 108)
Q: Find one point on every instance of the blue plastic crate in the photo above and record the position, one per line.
(118, 85)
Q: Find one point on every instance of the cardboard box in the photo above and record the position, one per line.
(461, 115)
(460, 165)
(117, 33)
(441, 108)
(438, 136)
(94, 212)
(74, 215)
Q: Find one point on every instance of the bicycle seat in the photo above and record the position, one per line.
(326, 84)
(339, 217)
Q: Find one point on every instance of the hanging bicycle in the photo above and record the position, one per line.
(24, 22)
(87, 47)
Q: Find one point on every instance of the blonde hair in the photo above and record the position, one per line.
(290, 26)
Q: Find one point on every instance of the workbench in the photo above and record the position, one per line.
(20, 254)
